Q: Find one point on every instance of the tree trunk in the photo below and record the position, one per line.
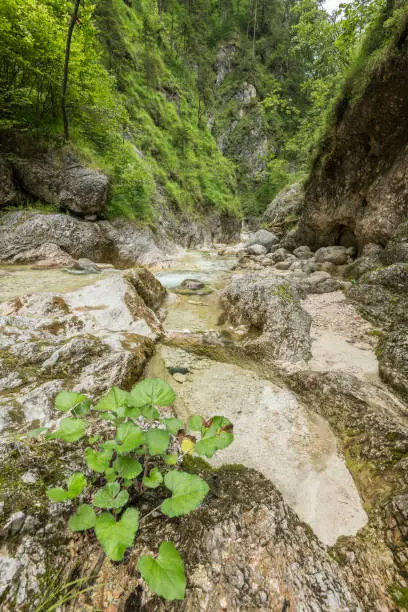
(74, 18)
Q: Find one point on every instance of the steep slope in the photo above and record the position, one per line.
(357, 192)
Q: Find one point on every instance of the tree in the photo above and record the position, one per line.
(73, 21)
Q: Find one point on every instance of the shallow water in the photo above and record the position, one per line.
(274, 433)
(23, 280)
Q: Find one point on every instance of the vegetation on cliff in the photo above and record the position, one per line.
(149, 98)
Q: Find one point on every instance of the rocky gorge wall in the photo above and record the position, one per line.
(357, 192)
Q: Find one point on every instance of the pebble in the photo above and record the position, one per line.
(29, 477)
(179, 377)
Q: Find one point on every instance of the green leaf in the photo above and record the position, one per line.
(158, 441)
(98, 461)
(188, 493)
(173, 425)
(70, 430)
(150, 413)
(116, 537)
(164, 575)
(67, 400)
(34, 433)
(130, 436)
(114, 401)
(216, 437)
(83, 519)
(110, 475)
(170, 459)
(195, 422)
(152, 391)
(76, 484)
(127, 467)
(93, 439)
(154, 479)
(57, 494)
(110, 496)
(132, 412)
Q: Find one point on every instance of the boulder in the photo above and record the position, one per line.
(263, 237)
(88, 265)
(283, 212)
(303, 252)
(270, 307)
(281, 254)
(49, 255)
(256, 249)
(333, 254)
(60, 179)
(191, 283)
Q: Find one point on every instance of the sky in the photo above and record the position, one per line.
(330, 5)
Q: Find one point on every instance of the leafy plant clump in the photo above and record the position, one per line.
(138, 450)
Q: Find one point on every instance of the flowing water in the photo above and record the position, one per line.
(274, 433)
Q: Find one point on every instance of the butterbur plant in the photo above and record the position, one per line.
(143, 451)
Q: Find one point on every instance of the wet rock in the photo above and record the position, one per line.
(88, 265)
(147, 286)
(280, 255)
(191, 283)
(48, 255)
(271, 308)
(333, 254)
(263, 237)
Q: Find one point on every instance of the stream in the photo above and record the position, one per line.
(274, 433)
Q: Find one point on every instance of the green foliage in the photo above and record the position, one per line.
(132, 458)
(164, 575)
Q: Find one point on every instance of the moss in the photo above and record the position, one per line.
(283, 291)
(399, 596)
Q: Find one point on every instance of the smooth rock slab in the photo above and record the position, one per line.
(275, 435)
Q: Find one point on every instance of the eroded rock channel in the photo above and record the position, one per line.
(316, 517)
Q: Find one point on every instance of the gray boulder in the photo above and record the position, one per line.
(333, 254)
(256, 249)
(263, 237)
(393, 357)
(192, 283)
(283, 212)
(303, 252)
(270, 307)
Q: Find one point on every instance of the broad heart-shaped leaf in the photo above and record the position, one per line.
(114, 401)
(188, 493)
(216, 437)
(70, 430)
(195, 422)
(187, 446)
(154, 479)
(127, 467)
(76, 484)
(67, 400)
(152, 391)
(110, 496)
(158, 441)
(173, 425)
(129, 436)
(98, 461)
(116, 537)
(83, 519)
(34, 433)
(164, 575)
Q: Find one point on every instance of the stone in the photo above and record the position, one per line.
(256, 249)
(191, 283)
(283, 212)
(14, 523)
(271, 309)
(49, 255)
(283, 265)
(303, 252)
(263, 237)
(9, 569)
(30, 477)
(88, 265)
(392, 354)
(333, 254)
(280, 255)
